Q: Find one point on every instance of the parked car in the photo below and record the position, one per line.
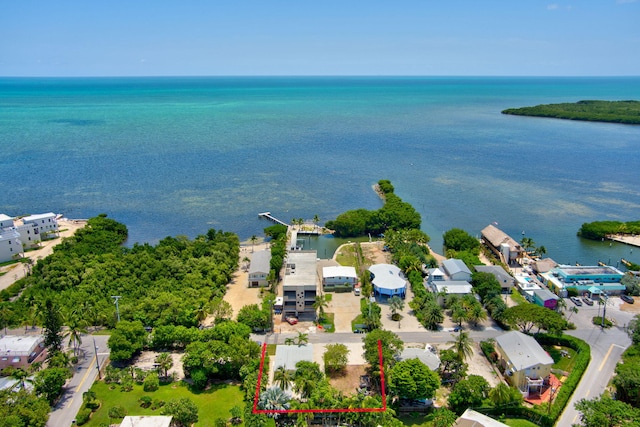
(291, 320)
(356, 291)
(627, 299)
(576, 301)
(587, 300)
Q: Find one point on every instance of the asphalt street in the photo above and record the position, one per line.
(64, 413)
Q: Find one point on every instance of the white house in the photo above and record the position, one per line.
(29, 235)
(47, 223)
(5, 221)
(338, 275)
(10, 244)
(259, 268)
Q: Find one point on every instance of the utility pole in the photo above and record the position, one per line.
(95, 346)
(116, 298)
(604, 310)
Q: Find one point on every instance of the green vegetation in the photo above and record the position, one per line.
(395, 215)
(170, 283)
(225, 397)
(626, 112)
(598, 230)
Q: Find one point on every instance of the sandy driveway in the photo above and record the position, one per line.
(17, 271)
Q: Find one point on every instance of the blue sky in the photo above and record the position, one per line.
(327, 37)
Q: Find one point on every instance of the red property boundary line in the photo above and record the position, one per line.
(317, 411)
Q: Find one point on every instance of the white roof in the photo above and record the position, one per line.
(305, 272)
(39, 216)
(146, 421)
(453, 287)
(4, 217)
(289, 355)
(387, 276)
(523, 350)
(436, 272)
(19, 344)
(339, 271)
(471, 418)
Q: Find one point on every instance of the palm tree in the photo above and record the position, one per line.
(302, 339)
(463, 346)
(316, 220)
(282, 377)
(540, 250)
(289, 341)
(458, 313)
(165, 362)
(572, 310)
(76, 326)
(500, 395)
(201, 311)
(320, 304)
(527, 243)
(247, 262)
(274, 399)
(253, 239)
(396, 304)
(433, 316)
(477, 314)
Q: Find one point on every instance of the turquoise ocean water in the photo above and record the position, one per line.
(171, 156)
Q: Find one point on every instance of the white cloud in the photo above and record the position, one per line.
(552, 6)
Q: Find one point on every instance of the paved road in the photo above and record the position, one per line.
(607, 346)
(67, 408)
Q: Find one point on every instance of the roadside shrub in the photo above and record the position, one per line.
(83, 416)
(151, 382)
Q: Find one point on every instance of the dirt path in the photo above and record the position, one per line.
(239, 293)
(17, 271)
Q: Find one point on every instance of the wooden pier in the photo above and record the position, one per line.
(270, 217)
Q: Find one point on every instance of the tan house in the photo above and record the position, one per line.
(501, 244)
(526, 364)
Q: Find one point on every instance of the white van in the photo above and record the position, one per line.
(356, 291)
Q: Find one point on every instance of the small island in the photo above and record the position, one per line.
(625, 112)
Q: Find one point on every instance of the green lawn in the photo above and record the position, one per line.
(518, 422)
(213, 403)
(564, 363)
(328, 322)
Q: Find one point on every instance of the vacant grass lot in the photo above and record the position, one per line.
(213, 403)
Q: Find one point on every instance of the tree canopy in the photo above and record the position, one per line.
(412, 379)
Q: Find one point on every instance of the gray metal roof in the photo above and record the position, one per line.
(260, 262)
(523, 350)
(500, 274)
(453, 266)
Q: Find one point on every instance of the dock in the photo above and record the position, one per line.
(629, 239)
(272, 218)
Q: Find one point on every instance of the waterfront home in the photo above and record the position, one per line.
(338, 275)
(505, 279)
(582, 278)
(10, 244)
(526, 364)
(5, 221)
(299, 285)
(456, 269)
(47, 223)
(501, 244)
(20, 351)
(259, 268)
(388, 280)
